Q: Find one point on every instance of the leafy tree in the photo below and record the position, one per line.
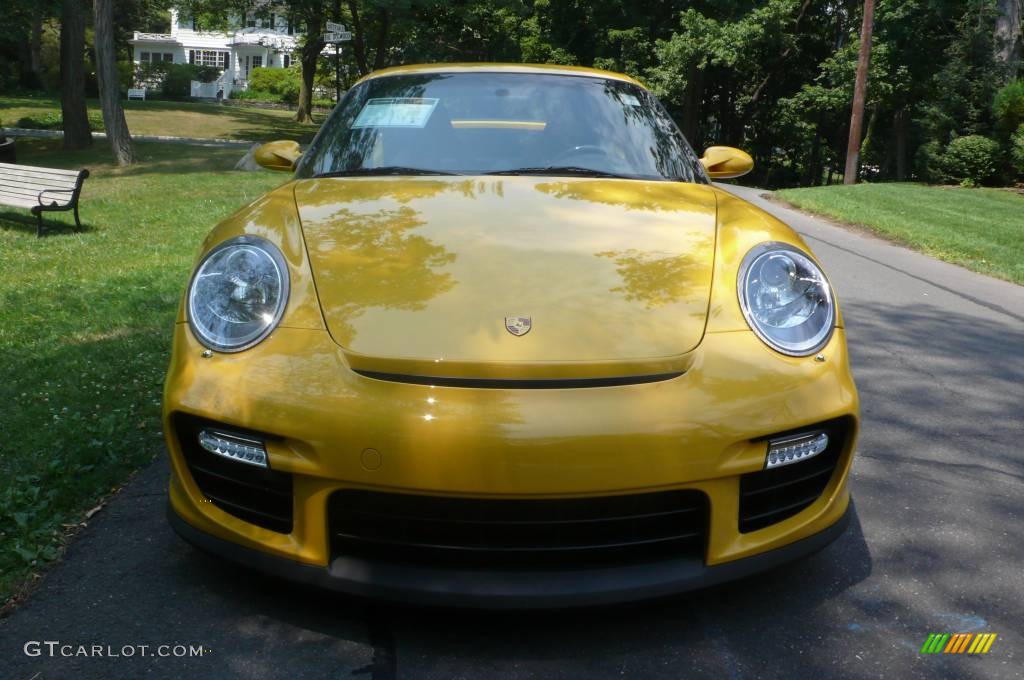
(1008, 107)
(1017, 152)
(964, 86)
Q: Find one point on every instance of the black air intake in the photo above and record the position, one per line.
(257, 495)
(770, 496)
(591, 531)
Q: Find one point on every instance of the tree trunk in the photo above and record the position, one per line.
(309, 56)
(26, 78)
(380, 58)
(36, 45)
(899, 125)
(1008, 36)
(72, 75)
(859, 95)
(358, 44)
(814, 170)
(110, 89)
(692, 95)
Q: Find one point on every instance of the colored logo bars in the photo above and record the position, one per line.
(958, 643)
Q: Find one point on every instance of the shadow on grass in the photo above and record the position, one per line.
(255, 124)
(11, 221)
(29, 103)
(154, 157)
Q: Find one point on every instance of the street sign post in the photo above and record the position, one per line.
(335, 35)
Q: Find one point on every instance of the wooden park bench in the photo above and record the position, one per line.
(41, 189)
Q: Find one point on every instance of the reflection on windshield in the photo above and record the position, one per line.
(509, 123)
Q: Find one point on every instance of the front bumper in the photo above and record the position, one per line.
(701, 432)
(497, 589)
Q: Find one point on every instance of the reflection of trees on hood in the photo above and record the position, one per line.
(361, 191)
(655, 279)
(629, 195)
(318, 193)
(374, 261)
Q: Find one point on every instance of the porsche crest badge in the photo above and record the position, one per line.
(518, 325)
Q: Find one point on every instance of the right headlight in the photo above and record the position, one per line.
(238, 294)
(786, 299)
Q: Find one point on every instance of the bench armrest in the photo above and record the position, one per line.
(49, 191)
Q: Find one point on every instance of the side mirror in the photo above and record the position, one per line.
(725, 162)
(280, 155)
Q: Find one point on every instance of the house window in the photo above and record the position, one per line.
(251, 21)
(273, 22)
(215, 58)
(286, 60)
(154, 57)
(291, 26)
(257, 60)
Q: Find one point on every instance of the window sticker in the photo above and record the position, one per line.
(630, 100)
(411, 112)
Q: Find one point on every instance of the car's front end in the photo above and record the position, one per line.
(508, 391)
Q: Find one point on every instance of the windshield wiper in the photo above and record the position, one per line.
(383, 170)
(568, 170)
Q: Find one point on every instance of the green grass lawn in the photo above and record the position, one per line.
(85, 328)
(178, 119)
(981, 229)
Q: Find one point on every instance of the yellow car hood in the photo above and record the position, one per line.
(418, 275)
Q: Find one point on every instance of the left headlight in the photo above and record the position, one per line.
(786, 299)
(237, 294)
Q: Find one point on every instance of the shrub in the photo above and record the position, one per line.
(281, 82)
(255, 95)
(175, 80)
(1009, 107)
(1017, 151)
(928, 163)
(53, 120)
(971, 160)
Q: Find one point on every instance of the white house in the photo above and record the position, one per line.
(267, 41)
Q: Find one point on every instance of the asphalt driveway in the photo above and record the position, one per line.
(936, 545)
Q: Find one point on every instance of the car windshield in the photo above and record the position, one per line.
(501, 123)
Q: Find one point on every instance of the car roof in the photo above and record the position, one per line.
(485, 67)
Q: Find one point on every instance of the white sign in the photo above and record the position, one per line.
(344, 36)
(332, 27)
(410, 112)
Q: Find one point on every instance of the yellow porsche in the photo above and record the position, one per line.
(500, 342)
